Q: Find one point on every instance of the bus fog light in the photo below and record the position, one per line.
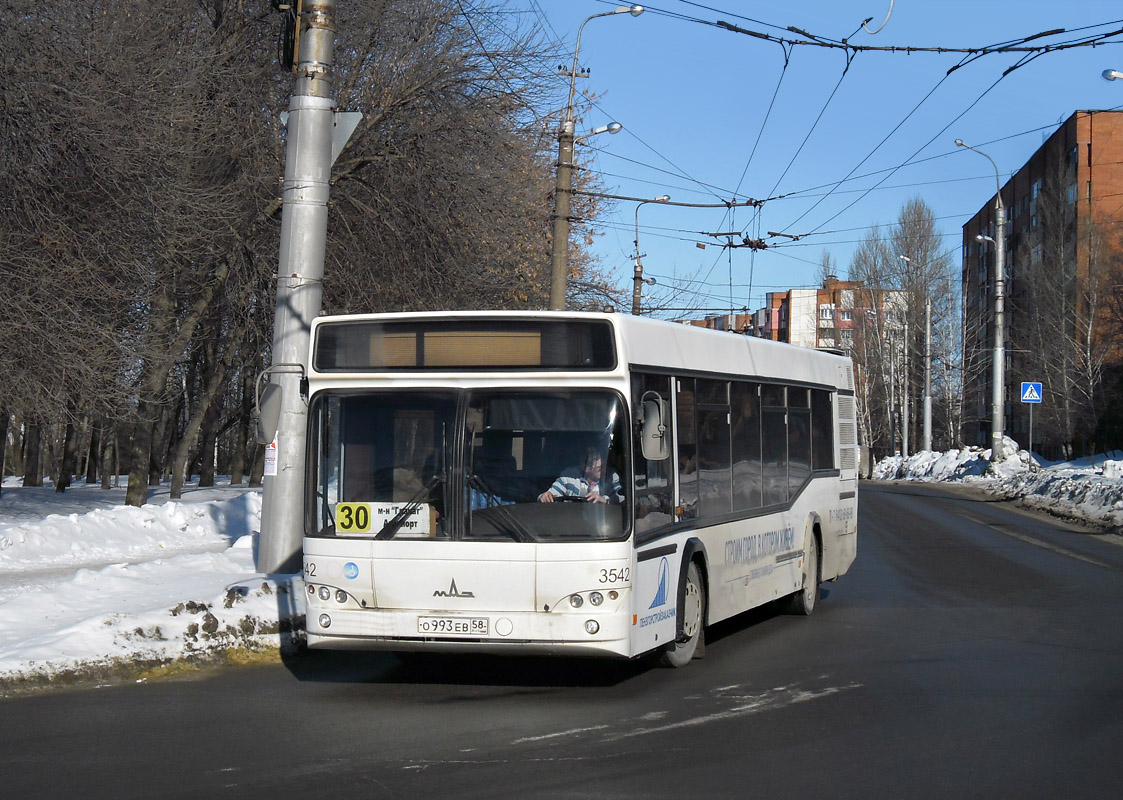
(613, 594)
(340, 596)
(325, 593)
(591, 626)
(596, 598)
(576, 600)
(325, 621)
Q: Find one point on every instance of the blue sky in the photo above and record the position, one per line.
(694, 99)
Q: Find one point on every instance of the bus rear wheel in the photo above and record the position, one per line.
(803, 602)
(693, 615)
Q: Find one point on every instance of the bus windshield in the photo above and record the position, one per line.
(526, 465)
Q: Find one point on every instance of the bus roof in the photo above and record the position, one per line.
(658, 345)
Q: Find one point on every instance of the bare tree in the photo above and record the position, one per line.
(143, 150)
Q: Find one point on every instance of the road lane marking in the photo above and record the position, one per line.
(999, 527)
(571, 732)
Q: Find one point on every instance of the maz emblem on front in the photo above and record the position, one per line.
(452, 591)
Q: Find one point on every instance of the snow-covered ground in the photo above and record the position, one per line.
(91, 587)
(1089, 490)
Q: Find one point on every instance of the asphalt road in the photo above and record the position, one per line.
(974, 650)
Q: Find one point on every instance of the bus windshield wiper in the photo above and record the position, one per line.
(517, 530)
(405, 512)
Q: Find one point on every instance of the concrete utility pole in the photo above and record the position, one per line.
(927, 443)
(563, 183)
(300, 272)
(998, 359)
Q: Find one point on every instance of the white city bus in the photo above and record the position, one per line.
(728, 480)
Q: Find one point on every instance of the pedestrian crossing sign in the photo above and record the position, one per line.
(1031, 392)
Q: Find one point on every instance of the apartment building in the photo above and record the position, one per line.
(1062, 210)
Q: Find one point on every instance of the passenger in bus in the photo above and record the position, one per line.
(587, 482)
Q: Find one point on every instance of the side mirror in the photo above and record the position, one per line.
(653, 436)
(268, 408)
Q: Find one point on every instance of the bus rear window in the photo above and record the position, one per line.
(447, 345)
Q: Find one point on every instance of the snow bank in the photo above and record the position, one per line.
(1091, 492)
(117, 590)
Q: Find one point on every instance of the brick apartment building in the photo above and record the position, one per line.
(1057, 205)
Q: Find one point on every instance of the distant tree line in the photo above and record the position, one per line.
(889, 336)
(142, 154)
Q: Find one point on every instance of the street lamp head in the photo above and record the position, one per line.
(905, 259)
(981, 238)
(612, 127)
(634, 10)
(960, 143)
(1112, 75)
(662, 198)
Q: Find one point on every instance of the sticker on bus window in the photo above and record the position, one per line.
(370, 517)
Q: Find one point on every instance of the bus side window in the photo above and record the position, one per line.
(715, 475)
(687, 443)
(822, 430)
(653, 484)
(774, 444)
(745, 409)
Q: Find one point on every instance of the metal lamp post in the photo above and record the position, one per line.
(998, 394)
(638, 280)
(563, 187)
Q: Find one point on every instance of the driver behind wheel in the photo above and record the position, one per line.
(587, 482)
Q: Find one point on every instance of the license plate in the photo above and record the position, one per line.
(452, 626)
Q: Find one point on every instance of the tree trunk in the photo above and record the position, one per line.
(32, 473)
(257, 471)
(3, 443)
(108, 458)
(94, 453)
(140, 453)
(69, 458)
(203, 415)
(207, 448)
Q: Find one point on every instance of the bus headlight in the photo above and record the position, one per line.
(325, 593)
(325, 621)
(340, 596)
(576, 600)
(591, 626)
(596, 598)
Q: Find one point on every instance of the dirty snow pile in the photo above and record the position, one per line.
(90, 586)
(1089, 490)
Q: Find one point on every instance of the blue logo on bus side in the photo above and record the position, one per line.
(661, 592)
(351, 570)
(660, 599)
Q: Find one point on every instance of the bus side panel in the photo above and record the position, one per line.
(839, 527)
(752, 562)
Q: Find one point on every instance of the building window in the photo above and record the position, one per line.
(1071, 194)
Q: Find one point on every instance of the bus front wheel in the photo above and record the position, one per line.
(693, 611)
